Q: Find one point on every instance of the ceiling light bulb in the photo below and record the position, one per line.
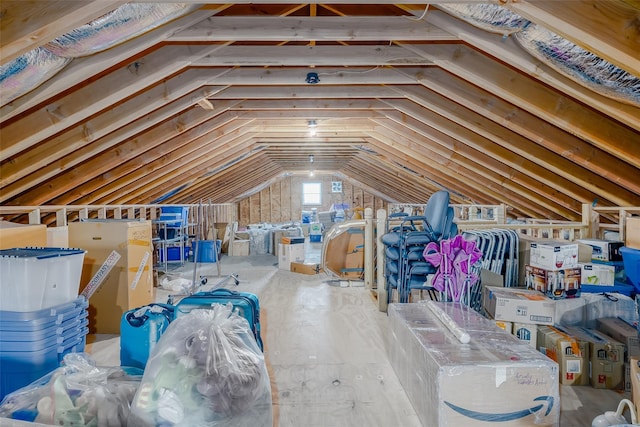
(311, 158)
(312, 132)
(310, 173)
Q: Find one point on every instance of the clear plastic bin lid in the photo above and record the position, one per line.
(39, 253)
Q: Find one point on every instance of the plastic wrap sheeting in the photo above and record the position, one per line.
(260, 241)
(584, 311)
(580, 65)
(27, 72)
(494, 378)
(123, 23)
(489, 17)
(76, 393)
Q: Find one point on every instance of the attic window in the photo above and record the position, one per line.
(311, 193)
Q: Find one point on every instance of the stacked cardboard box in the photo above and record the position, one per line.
(604, 250)
(570, 352)
(632, 233)
(558, 284)
(290, 250)
(518, 305)
(14, 235)
(553, 269)
(129, 283)
(606, 358)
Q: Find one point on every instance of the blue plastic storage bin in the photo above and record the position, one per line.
(621, 287)
(32, 343)
(21, 368)
(175, 212)
(74, 344)
(173, 253)
(631, 260)
(35, 320)
(208, 250)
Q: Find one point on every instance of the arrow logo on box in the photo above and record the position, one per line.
(507, 416)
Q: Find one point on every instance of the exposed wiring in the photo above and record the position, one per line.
(423, 14)
(335, 73)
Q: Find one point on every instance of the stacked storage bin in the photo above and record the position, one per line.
(42, 318)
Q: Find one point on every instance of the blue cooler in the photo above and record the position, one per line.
(140, 330)
(631, 260)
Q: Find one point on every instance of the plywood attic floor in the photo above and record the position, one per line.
(325, 348)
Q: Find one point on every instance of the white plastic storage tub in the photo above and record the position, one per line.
(36, 278)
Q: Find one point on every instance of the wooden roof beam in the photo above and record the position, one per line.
(510, 52)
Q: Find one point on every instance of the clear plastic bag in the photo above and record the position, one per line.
(79, 393)
(206, 369)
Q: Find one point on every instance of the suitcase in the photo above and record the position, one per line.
(140, 330)
(245, 304)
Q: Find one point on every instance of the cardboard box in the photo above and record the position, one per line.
(290, 253)
(632, 232)
(524, 251)
(305, 268)
(606, 358)
(634, 379)
(621, 331)
(13, 235)
(604, 250)
(290, 240)
(489, 278)
(527, 333)
(58, 237)
(239, 248)
(570, 352)
(494, 374)
(129, 284)
(557, 284)
(552, 255)
(597, 274)
(518, 305)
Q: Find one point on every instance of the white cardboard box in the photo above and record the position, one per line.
(518, 305)
(288, 253)
(604, 250)
(597, 274)
(553, 255)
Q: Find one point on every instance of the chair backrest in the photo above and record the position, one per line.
(435, 212)
(450, 228)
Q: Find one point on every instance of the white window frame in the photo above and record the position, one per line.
(306, 193)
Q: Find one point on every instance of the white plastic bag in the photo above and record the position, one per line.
(206, 369)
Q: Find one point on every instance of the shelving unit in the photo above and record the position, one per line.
(171, 235)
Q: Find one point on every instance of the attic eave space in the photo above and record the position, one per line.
(30, 70)
(565, 57)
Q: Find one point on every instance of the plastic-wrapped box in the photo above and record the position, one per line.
(36, 278)
(494, 378)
